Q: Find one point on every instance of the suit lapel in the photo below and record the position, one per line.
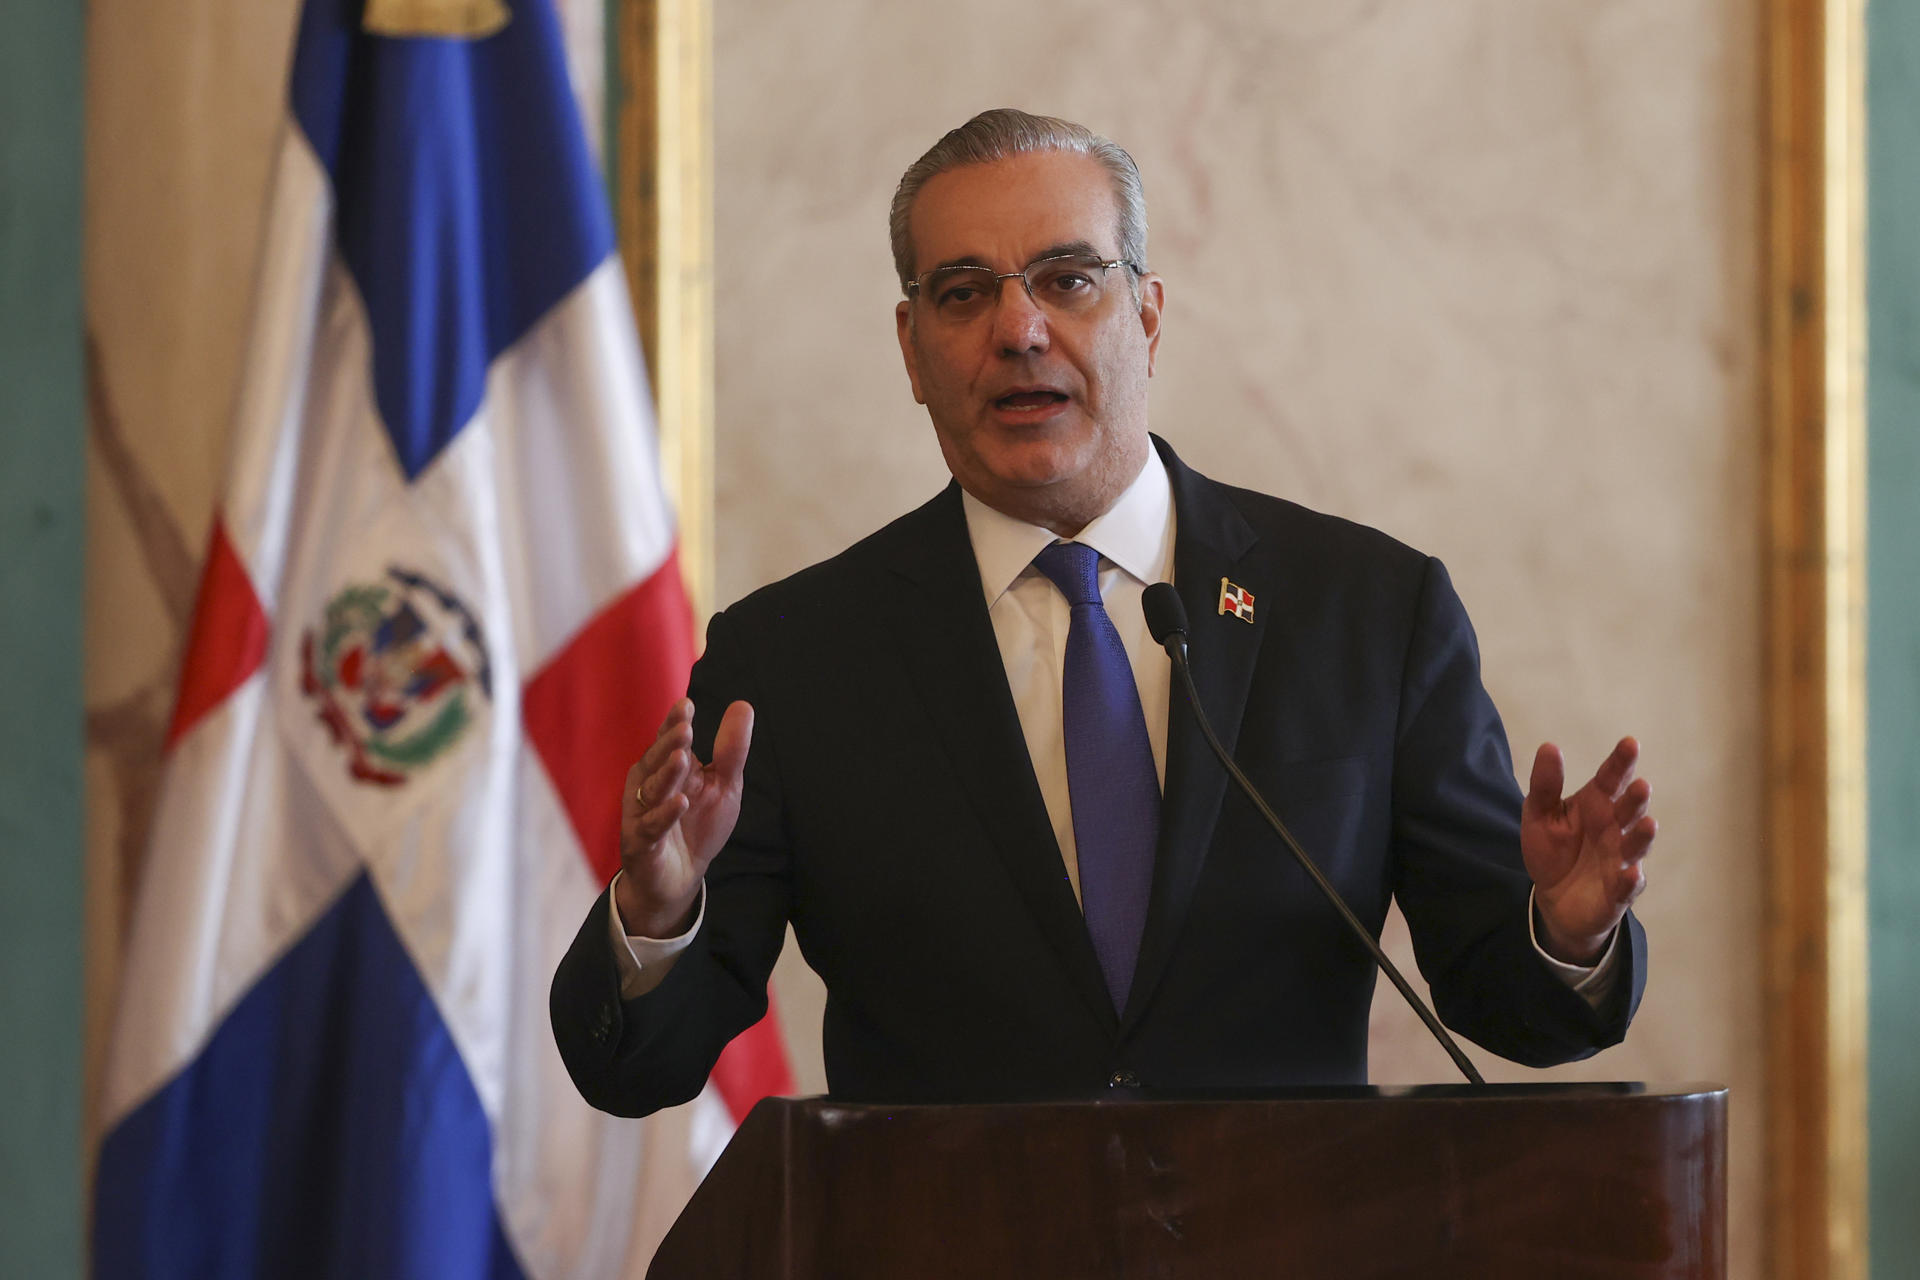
(1211, 539)
(946, 641)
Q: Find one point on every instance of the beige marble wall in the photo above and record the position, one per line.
(1479, 273)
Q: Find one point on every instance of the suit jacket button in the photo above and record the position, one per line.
(1123, 1080)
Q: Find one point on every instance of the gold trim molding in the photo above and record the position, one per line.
(1815, 671)
(663, 209)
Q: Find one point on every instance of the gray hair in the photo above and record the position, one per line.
(1007, 131)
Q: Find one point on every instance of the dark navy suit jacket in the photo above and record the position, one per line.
(891, 815)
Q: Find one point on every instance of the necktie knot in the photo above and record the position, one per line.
(1074, 568)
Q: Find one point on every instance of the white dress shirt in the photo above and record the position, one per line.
(1030, 620)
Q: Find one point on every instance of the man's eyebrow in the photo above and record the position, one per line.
(1071, 249)
(1065, 249)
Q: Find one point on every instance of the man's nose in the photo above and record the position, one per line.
(1019, 324)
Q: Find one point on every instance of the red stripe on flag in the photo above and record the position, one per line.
(598, 703)
(590, 713)
(229, 640)
(753, 1066)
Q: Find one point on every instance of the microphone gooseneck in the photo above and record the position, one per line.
(1167, 621)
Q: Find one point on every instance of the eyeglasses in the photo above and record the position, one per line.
(1068, 284)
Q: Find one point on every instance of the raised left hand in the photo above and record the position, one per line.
(1585, 852)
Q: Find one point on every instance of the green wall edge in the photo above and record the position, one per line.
(1893, 634)
(42, 539)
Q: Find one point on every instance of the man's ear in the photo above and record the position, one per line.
(903, 324)
(1153, 298)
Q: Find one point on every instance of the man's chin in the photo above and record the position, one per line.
(1039, 459)
(1049, 496)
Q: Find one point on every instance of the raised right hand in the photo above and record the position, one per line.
(674, 817)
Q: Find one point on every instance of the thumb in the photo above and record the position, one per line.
(730, 743)
(1548, 777)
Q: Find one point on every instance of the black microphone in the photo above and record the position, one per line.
(1167, 621)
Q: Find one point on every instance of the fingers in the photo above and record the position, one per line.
(665, 781)
(1632, 804)
(730, 743)
(676, 734)
(1630, 877)
(665, 765)
(655, 800)
(1638, 839)
(1617, 770)
(1549, 776)
(1637, 827)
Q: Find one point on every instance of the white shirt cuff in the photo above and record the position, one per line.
(1593, 983)
(645, 962)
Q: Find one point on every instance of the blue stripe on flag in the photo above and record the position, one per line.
(328, 1130)
(466, 202)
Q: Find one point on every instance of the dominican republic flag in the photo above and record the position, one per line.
(440, 615)
(1237, 601)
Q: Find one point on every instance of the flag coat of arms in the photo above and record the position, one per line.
(440, 615)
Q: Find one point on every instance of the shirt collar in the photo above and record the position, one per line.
(1135, 533)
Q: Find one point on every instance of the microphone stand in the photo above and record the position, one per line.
(1176, 646)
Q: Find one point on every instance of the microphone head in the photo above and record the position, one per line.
(1166, 616)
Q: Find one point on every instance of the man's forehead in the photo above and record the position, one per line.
(1005, 213)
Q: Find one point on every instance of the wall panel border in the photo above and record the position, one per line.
(1814, 666)
(663, 211)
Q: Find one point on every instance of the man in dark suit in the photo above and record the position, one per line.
(951, 758)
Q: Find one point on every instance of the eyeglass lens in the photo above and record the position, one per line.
(1065, 284)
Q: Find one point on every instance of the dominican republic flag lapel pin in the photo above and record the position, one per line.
(1237, 601)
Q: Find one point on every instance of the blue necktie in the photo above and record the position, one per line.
(1110, 777)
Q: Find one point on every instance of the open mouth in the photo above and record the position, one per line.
(1026, 401)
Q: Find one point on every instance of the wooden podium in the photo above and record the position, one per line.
(1553, 1181)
